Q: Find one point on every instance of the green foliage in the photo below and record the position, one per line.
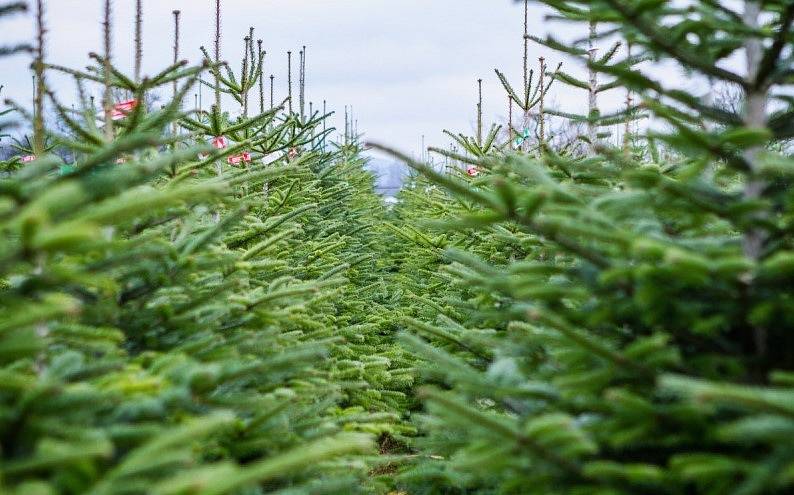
(173, 324)
(607, 325)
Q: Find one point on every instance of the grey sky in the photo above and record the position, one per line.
(408, 67)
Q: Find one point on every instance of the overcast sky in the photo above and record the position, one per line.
(407, 67)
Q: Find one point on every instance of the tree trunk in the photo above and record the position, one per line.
(756, 99)
(592, 101)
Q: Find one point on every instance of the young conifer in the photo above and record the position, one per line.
(145, 345)
(610, 325)
(532, 92)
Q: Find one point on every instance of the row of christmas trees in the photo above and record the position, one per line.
(197, 303)
(618, 320)
(191, 302)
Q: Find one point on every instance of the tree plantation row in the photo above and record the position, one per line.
(215, 300)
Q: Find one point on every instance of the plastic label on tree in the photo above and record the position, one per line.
(238, 159)
(28, 158)
(220, 142)
(521, 139)
(122, 109)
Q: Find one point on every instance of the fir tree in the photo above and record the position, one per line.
(147, 345)
(532, 95)
(477, 146)
(587, 50)
(639, 334)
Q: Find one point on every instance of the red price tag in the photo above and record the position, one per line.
(220, 142)
(238, 159)
(122, 109)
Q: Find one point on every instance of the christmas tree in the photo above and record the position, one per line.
(624, 323)
(165, 294)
